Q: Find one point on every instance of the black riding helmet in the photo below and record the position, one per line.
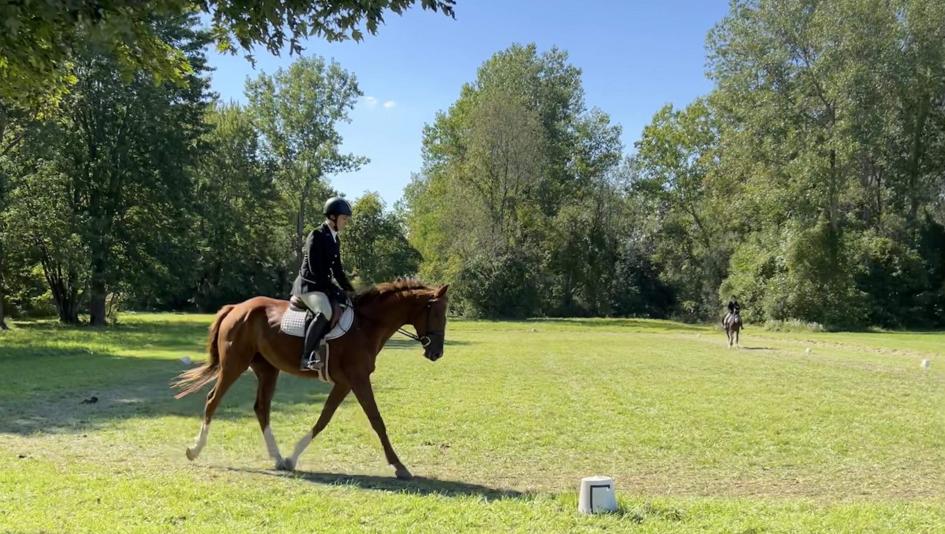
(337, 206)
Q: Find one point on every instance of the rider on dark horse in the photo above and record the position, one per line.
(321, 283)
(733, 309)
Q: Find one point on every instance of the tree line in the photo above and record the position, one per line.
(148, 193)
(809, 182)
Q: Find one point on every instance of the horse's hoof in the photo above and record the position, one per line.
(286, 464)
(191, 455)
(402, 473)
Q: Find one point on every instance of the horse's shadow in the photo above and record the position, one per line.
(417, 485)
(72, 390)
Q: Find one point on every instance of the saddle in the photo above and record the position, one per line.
(293, 324)
(293, 320)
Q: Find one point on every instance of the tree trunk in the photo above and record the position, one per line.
(915, 165)
(68, 314)
(67, 306)
(3, 323)
(833, 195)
(97, 285)
(97, 304)
(62, 287)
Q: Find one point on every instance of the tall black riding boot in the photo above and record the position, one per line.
(317, 328)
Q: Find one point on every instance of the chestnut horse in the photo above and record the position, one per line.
(248, 335)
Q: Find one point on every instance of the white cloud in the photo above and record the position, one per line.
(389, 104)
(370, 101)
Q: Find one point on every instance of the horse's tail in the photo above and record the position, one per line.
(193, 379)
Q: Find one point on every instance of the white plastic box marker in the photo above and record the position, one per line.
(597, 495)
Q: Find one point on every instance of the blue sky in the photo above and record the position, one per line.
(635, 56)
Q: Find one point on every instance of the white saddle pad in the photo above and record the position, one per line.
(293, 324)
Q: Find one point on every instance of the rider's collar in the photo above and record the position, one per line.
(334, 234)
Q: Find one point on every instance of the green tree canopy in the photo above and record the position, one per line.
(37, 63)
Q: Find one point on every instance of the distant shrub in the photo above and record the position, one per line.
(793, 325)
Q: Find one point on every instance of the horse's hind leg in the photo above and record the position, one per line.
(232, 365)
(267, 375)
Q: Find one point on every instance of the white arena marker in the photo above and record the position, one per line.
(597, 495)
(926, 363)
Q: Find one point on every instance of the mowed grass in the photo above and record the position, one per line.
(848, 436)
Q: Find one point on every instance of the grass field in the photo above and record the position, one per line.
(848, 436)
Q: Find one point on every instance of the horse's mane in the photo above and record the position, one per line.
(379, 292)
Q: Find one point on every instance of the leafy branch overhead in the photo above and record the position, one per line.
(272, 24)
(38, 38)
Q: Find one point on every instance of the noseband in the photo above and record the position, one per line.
(424, 340)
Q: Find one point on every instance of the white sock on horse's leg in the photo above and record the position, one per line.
(271, 445)
(300, 448)
(201, 441)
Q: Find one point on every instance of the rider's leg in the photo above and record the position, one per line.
(316, 328)
(317, 302)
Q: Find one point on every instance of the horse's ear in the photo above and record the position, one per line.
(442, 291)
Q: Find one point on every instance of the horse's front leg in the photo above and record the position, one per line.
(337, 394)
(365, 394)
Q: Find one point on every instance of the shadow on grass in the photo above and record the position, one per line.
(401, 343)
(649, 511)
(163, 325)
(52, 373)
(185, 336)
(55, 390)
(416, 486)
(172, 335)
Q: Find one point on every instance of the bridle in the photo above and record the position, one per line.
(424, 340)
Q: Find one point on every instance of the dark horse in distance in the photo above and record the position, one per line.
(733, 325)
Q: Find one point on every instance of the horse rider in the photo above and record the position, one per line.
(321, 283)
(733, 309)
